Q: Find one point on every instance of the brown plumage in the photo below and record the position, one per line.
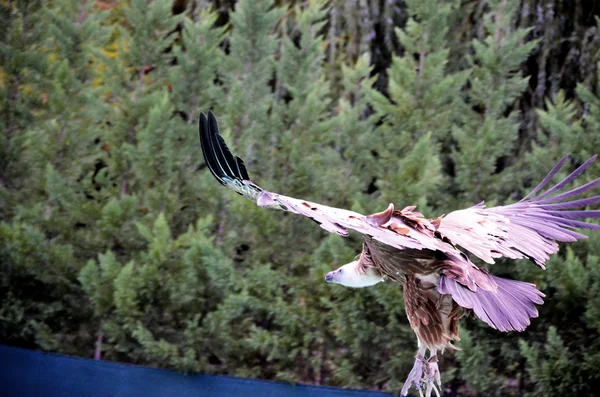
(428, 257)
(433, 316)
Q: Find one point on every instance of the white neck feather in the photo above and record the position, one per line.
(354, 278)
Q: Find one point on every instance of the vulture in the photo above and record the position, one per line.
(429, 257)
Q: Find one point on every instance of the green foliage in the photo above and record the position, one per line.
(591, 116)
(22, 68)
(476, 364)
(420, 110)
(115, 240)
(488, 127)
(550, 369)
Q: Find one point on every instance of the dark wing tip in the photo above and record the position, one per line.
(221, 163)
(207, 151)
(242, 168)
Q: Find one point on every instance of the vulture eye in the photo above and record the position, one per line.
(341, 270)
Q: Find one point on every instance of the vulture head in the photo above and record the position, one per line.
(354, 275)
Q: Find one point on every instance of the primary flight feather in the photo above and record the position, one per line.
(425, 256)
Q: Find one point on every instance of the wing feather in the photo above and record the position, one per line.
(568, 179)
(242, 169)
(529, 228)
(394, 228)
(548, 177)
(208, 152)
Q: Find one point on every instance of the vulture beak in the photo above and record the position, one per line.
(329, 277)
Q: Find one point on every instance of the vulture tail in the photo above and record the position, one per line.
(508, 308)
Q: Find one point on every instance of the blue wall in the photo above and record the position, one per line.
(27, 373)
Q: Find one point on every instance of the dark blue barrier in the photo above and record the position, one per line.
(27, 373)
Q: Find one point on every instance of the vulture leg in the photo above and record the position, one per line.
(424, 374)
(434, 321)
(416, 374)
(433, 374)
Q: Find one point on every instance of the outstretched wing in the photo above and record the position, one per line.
(388, 227)
(529, 228)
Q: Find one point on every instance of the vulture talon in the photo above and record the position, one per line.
(424, 375)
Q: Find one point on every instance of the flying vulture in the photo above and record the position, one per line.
(428, 257)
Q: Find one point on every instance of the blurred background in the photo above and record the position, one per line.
(117, 243)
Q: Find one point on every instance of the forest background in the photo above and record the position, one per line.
(117, 243)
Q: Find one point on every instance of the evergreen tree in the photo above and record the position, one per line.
(39, 245)
(116, 242)
(22, 71)
(489, 127)
(420, 110)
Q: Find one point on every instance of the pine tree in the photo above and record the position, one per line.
(585, 142)
(487, 131)
(143, 193)
(22, 71)
(116, 242)
(420, 111)
(40, 251)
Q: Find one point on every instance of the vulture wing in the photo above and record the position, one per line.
(529, 228)
(386, 227)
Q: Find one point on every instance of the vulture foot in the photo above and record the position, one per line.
(424, 376)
